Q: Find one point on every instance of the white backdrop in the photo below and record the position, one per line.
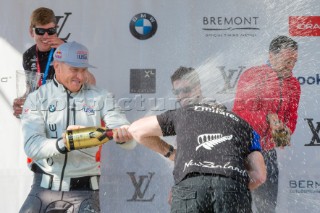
(189, 33)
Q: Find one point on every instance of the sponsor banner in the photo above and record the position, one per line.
(230, 26)
(136, 48)
(304, 186)
(309, 80)
(314, 127)
(304, 25)
(142, 80)
(143, 26)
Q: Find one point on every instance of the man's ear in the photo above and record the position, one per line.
(272, 55)
(56, 66)
(271, 58)
(31, 32)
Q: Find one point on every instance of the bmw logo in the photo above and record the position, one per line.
(143, 26)
(52, 108)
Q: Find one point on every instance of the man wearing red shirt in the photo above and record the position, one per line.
(267, 97)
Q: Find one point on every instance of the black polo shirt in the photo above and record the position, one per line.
(29, 61)
(209, 140)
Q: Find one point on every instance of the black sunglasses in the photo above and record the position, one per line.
(42, 31)
(181, 90)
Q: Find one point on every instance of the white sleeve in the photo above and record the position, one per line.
(114, 117)
(36, 144)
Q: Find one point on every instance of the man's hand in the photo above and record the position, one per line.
(281, 134)
(17, 106)
(54, 42)
(282, 137)
(122, 134)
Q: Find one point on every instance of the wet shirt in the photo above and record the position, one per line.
(259, 92)
(30, 61)
(209, 140)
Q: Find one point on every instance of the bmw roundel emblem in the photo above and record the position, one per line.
(143, 26)
(52, 108)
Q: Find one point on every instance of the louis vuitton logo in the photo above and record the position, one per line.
(227, 77)
(315, 140)
(140, 192)
(63, 23)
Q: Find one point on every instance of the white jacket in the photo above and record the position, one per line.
(47, 113)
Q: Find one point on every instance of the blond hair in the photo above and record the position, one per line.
(42, 16)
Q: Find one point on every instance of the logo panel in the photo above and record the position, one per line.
(315, 129)
(230, 26)
(141, 186)
(309, 80)
(64, 20)
(304, 25)
(230, 78)
(304, 186)
(143, 26)
(142, 80)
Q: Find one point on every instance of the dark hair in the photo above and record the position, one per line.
(188, 73)
(282, 42)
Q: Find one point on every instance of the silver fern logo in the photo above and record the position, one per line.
(208, 141)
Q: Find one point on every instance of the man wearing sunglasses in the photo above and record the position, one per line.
(43, 29)
(186, 86)
(217, 161)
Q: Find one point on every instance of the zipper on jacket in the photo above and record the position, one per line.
(74, 112)
(65, 155)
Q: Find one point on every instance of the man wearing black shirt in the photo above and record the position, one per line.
(38, 58)
(217, 161)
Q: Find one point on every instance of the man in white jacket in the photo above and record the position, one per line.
(67, 181)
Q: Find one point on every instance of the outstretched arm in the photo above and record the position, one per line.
(147, 131)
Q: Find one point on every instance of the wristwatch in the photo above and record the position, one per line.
(169, 152)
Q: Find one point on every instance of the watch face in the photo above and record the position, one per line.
(169, 152)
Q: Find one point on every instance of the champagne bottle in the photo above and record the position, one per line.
(281, 137)
(87, 137)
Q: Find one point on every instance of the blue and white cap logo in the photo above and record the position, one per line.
(143, 26)
(73, 54)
